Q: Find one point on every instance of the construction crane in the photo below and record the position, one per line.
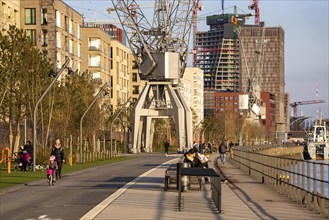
(295, 105)
(254, 6)
(197, 7)
(160, 49)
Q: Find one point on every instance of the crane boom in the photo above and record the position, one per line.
(309, 102)
(169, 31)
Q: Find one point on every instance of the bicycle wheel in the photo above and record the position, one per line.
(50, 180)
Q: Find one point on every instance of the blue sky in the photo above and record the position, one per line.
(306, 25)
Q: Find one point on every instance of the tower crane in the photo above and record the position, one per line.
(295, 105)
(197, 7)
(160, 49)
(254, 6)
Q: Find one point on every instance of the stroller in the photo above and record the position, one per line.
(23, 161)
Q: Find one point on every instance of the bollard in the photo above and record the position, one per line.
(6, 159)
(70, 160)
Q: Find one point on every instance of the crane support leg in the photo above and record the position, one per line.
(152, 104)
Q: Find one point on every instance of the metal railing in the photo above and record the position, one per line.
(306, 182)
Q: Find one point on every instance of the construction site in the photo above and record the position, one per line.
(242, 58)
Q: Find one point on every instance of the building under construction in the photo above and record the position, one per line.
(218, 53)
(227, 54)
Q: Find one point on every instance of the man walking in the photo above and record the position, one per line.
(166, 146)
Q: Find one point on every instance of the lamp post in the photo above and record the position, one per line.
(115, 118)
(205, 129)
(36, 108)
(212, 130)
(91, 104)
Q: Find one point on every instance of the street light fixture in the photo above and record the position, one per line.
(56, 77)
(115, 118)
(91, 104)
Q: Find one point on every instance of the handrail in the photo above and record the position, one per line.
(303, 181)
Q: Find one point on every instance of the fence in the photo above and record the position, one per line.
(93, 156)
(305, 182)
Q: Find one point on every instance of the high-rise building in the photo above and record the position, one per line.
(54, 28)
(270, 75)
(218, 54)
(9, 14)
(228, 52)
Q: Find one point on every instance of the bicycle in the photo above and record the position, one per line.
(50, 177)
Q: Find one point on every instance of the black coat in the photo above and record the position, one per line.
(58, 153)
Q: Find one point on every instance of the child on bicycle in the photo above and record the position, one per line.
(52, 167)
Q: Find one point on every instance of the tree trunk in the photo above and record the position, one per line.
(17, 137)
(10, 136)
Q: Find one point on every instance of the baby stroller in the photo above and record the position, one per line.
(23, 161)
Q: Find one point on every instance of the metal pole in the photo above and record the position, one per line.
(25, 133)
(91, 104)
(205, 129)
(36, 108)
(212, 130)
(123, 107)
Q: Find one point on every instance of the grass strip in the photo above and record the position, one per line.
(23, 177)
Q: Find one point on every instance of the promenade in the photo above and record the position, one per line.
(242, 198)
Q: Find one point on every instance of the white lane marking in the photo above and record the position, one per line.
(101, 206)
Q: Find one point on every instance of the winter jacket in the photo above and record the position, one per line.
(58, 153)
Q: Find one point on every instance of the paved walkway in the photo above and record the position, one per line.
(242, 198)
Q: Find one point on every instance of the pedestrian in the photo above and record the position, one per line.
(166, 146)
(231, 150)
(222, 151)
(58, 152)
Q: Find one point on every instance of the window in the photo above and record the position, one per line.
(71, 46)
(58, 19)
(44, 16)
(44, 38)
(134, 77)
(58, 39)
(30, 15)
(31, 34)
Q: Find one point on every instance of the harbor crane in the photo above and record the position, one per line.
(160, 49)
(295, 105)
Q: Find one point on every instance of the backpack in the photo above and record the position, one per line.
(222, 148)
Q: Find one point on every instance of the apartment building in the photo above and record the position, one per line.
(9, 14)
(111, 29)
(54, 28)
(191, 87)
(97, 56)
(121, 70)
(137, 84)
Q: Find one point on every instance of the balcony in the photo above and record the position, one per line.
(94, 48)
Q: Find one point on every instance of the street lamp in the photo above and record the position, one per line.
(205, 129)
(91, 104)
(212, 130)
(56, 77)
(115, 118)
